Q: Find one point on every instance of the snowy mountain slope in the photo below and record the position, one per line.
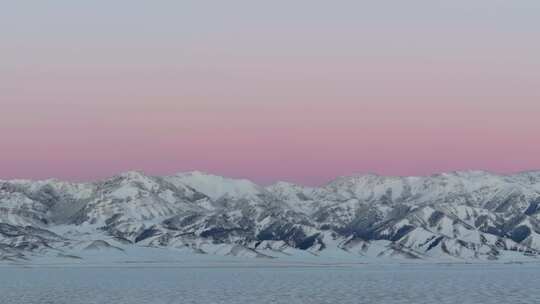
(472, 215)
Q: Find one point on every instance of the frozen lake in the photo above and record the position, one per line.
(463, 284)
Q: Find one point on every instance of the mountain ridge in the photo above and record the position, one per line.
(352, 175)
(460, 215)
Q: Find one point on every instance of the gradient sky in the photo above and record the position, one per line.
(268, 90)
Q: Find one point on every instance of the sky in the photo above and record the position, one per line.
(295, 90)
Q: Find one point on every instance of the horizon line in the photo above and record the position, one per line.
(238, 178)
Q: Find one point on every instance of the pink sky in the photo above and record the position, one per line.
(305, 99)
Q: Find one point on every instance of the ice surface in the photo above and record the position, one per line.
(227, 282)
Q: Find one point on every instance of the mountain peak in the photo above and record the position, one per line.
(216, 186)
(133, 174)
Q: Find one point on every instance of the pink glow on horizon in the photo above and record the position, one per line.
(297, 143)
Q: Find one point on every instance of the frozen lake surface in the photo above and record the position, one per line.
(463, 284)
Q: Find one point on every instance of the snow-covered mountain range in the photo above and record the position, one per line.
(472, 215)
